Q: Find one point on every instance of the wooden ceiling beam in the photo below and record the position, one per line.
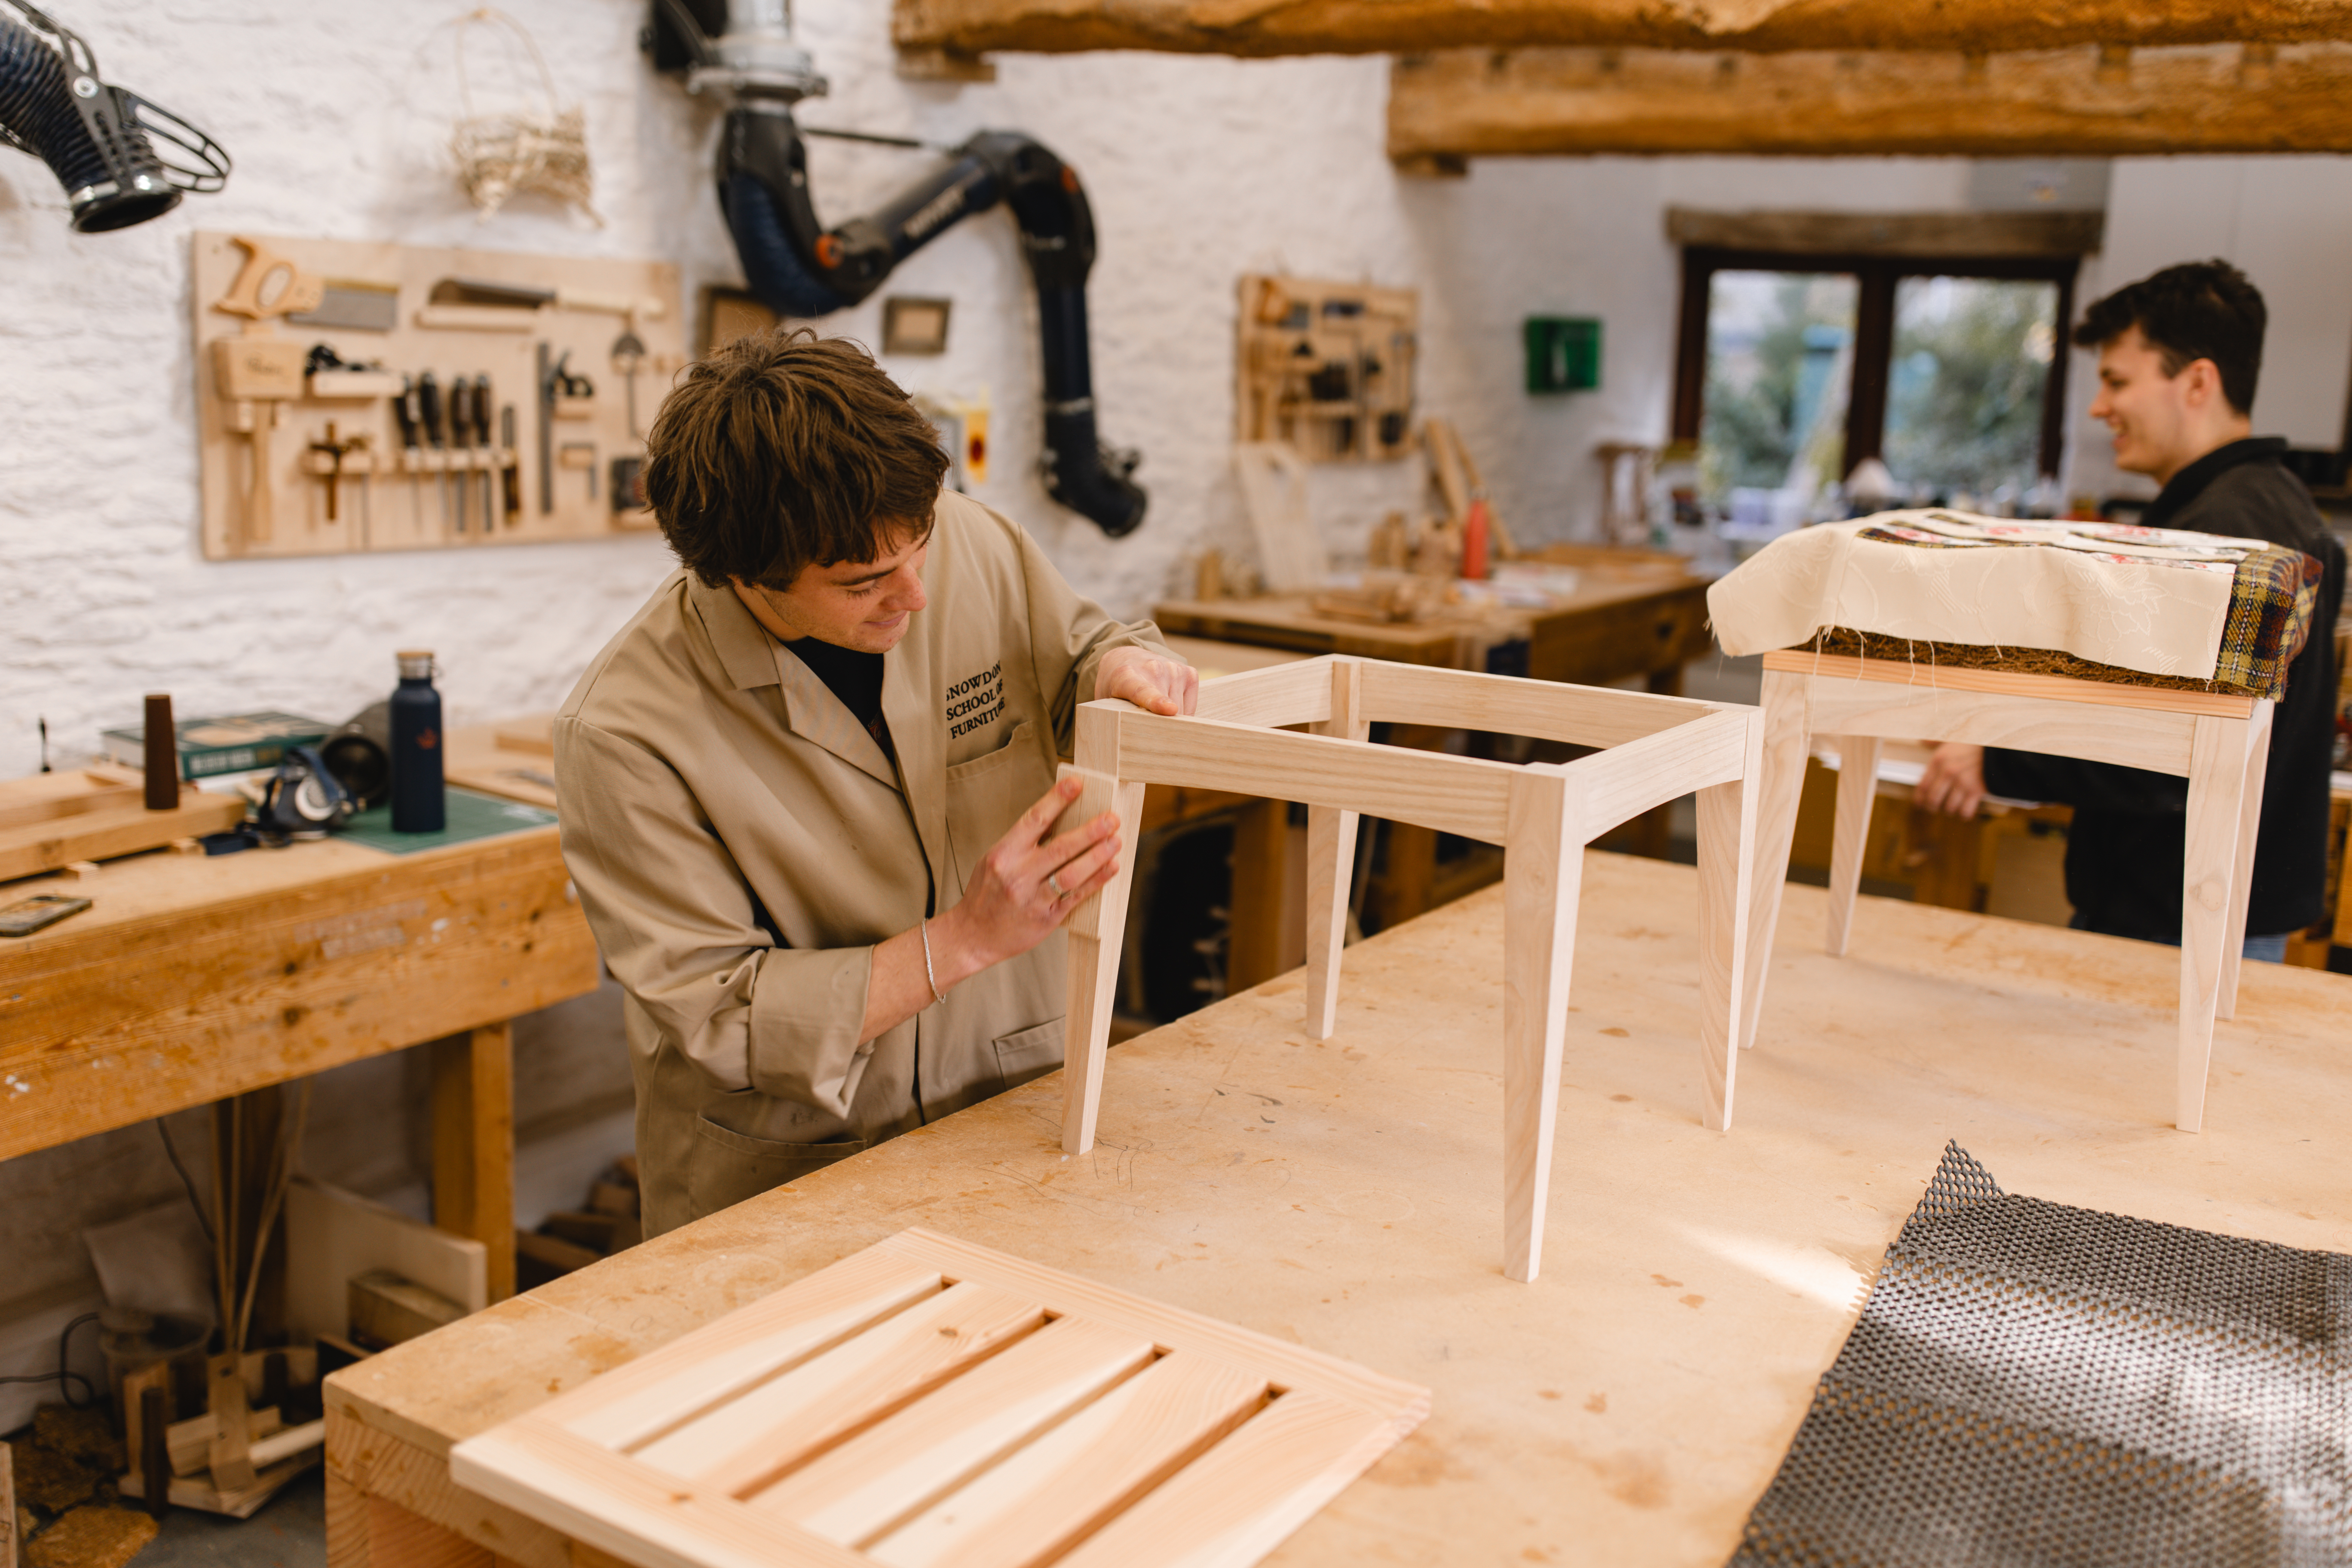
(1262, 27)
(2083, 102)
(1974, 234)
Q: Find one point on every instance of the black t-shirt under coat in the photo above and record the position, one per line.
(2124, 851)
(852, 675)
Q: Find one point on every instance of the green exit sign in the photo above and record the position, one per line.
(1563, 353)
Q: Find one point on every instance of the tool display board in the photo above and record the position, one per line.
(303, 461)
(1327, 367)
(930, 1401)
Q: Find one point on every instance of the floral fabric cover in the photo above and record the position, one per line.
(2160, 601)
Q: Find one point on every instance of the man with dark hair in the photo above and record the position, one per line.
(2178, 356)
(809, 789)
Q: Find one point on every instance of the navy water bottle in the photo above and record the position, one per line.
(417, 806)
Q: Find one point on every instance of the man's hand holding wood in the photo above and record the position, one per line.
(1026, 887)
(1154, 684)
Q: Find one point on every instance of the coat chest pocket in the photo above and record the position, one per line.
(986, 794)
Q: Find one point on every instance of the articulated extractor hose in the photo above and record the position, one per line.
(93, 136)
(799, 268)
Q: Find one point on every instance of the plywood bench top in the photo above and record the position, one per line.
(1629, 1406)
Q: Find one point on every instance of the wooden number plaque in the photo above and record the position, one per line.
(930, 1401)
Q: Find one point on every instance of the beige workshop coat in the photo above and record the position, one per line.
(740, 843)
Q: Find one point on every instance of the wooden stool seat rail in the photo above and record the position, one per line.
(1656, 749)
(2219, 741)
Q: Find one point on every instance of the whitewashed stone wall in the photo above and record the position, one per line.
(337, 111)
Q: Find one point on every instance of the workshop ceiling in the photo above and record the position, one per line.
(1260, 28)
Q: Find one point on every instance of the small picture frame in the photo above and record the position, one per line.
(914, 326)
(732, 313)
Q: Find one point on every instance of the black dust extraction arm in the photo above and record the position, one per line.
(99, 140)
(798, 266)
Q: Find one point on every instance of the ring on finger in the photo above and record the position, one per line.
(1055, 882)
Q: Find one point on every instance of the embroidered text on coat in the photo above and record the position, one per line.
(975, 701)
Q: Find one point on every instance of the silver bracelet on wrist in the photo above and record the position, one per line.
(929, 977)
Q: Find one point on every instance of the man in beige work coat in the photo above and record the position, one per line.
(831, 926)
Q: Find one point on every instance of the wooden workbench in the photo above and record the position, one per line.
(193, 978)
(1627, 1408)
(1634, 613)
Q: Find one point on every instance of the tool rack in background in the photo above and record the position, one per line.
(1327, 367)
(299, 461)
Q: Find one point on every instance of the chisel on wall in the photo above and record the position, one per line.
(428, 414)
(408, 409)
(482, 406)
(546, 433)
(510, 469)
(461, 441)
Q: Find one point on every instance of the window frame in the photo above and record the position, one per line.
(1873, 332)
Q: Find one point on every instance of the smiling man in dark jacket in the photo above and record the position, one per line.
(2178, 355)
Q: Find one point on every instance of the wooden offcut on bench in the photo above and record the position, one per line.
(50, 821)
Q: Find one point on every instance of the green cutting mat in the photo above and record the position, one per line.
(469, 814)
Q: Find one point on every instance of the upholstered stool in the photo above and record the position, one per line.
(2146, 647)
(2219, 742)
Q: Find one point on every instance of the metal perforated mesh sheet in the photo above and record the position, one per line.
(2032, 1383)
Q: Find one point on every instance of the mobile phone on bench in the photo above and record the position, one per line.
(24, 918)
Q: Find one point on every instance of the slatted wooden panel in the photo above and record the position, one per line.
(930, 1401)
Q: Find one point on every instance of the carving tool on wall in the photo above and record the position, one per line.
(99, 140)
(494, 460)
(407, 409)
(628, 353)
(461, 442)
(562, 395)
(510, 467)
(428, 415)
(799, 267)
(335, 451)
(546, 433)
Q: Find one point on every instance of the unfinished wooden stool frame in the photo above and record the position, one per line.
(2220, 744)
(1543, 814)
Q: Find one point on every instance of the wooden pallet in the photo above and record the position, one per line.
(930, 1401)
(1654, 749)
(51, 820)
